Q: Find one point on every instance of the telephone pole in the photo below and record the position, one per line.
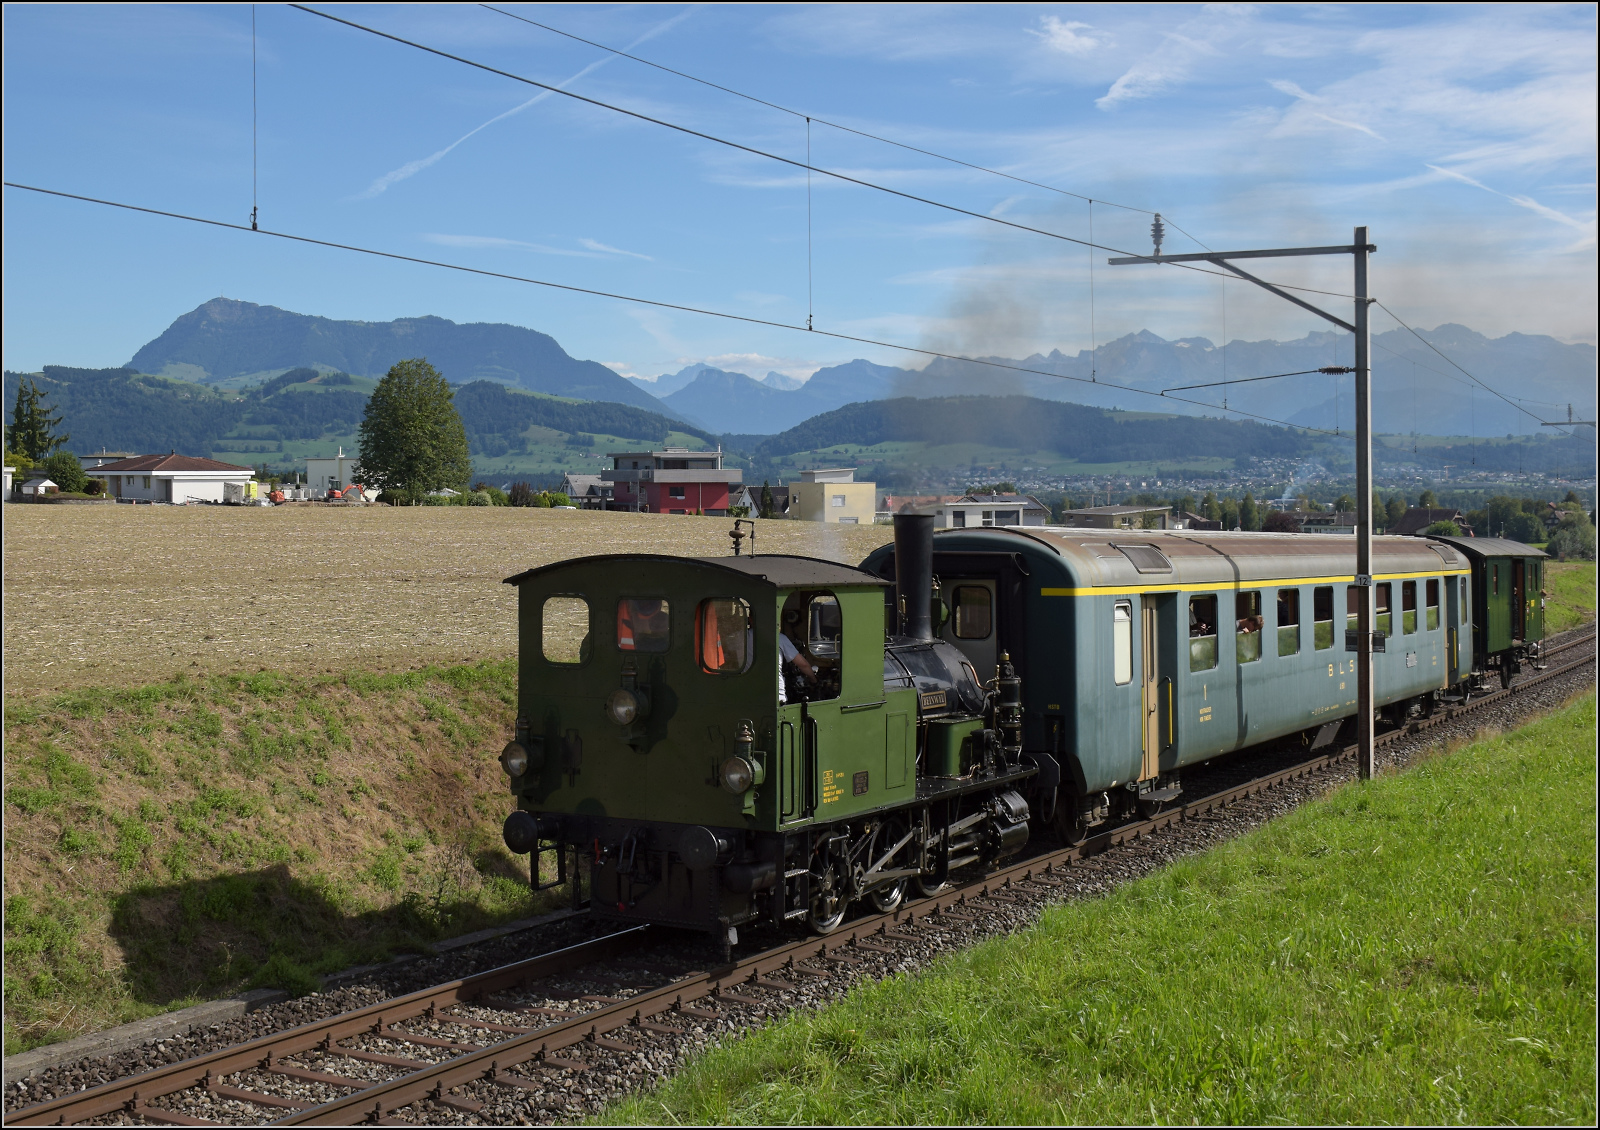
(1359, 249)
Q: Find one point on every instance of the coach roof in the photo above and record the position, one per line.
(780, 570)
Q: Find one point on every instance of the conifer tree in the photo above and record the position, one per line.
(33, 426)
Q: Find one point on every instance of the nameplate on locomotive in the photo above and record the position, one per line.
(932, 699)
(859, 784)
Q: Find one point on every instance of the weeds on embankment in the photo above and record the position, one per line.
(1572, 595)
(175, 842)
(1419, 949)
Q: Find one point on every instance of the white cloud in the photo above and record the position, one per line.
(1532, 205)
(1178, 53)
(596, 245)
(1062, 35)
(494, 241)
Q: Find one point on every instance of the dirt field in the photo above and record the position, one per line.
(118, 595)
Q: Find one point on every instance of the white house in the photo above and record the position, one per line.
(38, 486)
(170, 478)
(11, 473)
(989, 510)
(330, 474)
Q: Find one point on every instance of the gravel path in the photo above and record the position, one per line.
(542, 1095)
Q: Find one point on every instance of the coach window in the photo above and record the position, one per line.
(1408, 607)
(1247, 625)
(723, 636)
(1322, 617)
(1433, 603)
(1122, 642)
(1494, 579)
(565, 630)
(642, 624)
(1352, 608)
(1385, 621)
(974, 613)
(1288, 621)
(1463, 601)
(1202, 633)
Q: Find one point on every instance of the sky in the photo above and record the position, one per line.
(1464, 136)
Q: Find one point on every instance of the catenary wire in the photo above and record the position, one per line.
(641, 301)
(1269, 377)
(845, 177)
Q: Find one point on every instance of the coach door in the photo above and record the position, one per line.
(1151, 696)
(1519, 607)
(973, 626)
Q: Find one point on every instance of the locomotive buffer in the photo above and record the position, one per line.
(1359, 250)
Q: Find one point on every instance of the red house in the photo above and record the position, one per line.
(674, 481)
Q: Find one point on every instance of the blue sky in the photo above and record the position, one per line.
(1464, 135)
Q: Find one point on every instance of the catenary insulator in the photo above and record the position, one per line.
(1158, 232)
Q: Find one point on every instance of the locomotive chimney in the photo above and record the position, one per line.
(913, 574)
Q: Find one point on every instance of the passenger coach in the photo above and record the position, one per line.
(1142, 653)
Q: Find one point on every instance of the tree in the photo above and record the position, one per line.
(33, 427)
(1249, 513)
(1345, 504)
(1574, 537)
(412, 441)
(521, 494)
(63, 469)
(1278, 522)
(768, 506)
(1230, 514)
(1397, 511)
(1209, 509)
(1444, 529)
(1427, 500)
(1186, 504)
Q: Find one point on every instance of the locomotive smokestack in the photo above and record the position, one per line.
(913, 574)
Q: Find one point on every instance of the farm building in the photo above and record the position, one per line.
(328, 474)
(673, 481)
(831, 494)
(170, 478)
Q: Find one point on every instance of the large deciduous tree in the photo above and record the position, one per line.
(412, 440)
(33, 426)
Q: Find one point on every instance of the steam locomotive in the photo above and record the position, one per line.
(711, 742)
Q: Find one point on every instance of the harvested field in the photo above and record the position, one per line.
(121, 595)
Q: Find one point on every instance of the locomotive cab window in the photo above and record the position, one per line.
(1322, 617)
(974, 612)
(723, 636)
(1408, 607)
(1288, 621)
(642, 624)
(1202, 633)
(1433, 603)
(565, 630)
(1247, 625)
(810, 644)
(1385, 620)
(1122, 642)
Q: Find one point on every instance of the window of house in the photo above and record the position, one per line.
(147, 482)
(852, 520)
(1322, 617)
(1408, 607)
(1385, 619)
(1202, 633)
(836, 500)
(974, 613)
(958, 519)
(642, 624)
(1247, 625)
(674, 492)
(988, 517)
(565, 630)
(1433, 603)
(1122, 642)
(1008, 517)
(1288, 621)
(723, 636)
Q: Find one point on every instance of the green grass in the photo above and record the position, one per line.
(1419, 949)
(1572, 599)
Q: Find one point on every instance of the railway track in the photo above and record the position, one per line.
(524, 1026)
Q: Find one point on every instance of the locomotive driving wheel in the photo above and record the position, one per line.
(830, 895)
(886, 899)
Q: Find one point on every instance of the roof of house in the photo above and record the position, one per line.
(171, 462)
(1116, 510)
(1026, 501)
(1421, 517)
(585, 485)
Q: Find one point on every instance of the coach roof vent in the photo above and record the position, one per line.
(1146, 558)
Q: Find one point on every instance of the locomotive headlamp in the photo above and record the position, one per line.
(514, 759)
(622, 706)
(737, 775)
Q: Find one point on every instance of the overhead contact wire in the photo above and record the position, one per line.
(639, 301)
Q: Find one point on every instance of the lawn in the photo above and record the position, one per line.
(1572, 596)
(1420, 949)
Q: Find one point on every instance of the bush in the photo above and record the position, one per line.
(477, 498)
(1279, 522)
(63, 468)
(1445, 529)
(1574, 538)
(497, 496)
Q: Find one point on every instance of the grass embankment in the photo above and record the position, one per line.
(175, 842)
(1418, 950)
(1572, 596)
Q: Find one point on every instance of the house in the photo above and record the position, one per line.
(1418, 518)
(38, 488)
(1326, 522)
(913, 503)
(1123, 518)
(588, 492)
(327, 475)
(831, 494)
(989, 510)
(750, 495)
(11, 474)
(672, 481)
(1183, 520)
(170, 478)
(102, 457)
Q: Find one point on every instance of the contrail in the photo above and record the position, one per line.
(412, 168)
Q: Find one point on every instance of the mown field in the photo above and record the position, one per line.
(1416, 950)
(128, 595)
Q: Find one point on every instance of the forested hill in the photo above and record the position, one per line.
(1023, 423)
(225, 339)
(496, 418)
